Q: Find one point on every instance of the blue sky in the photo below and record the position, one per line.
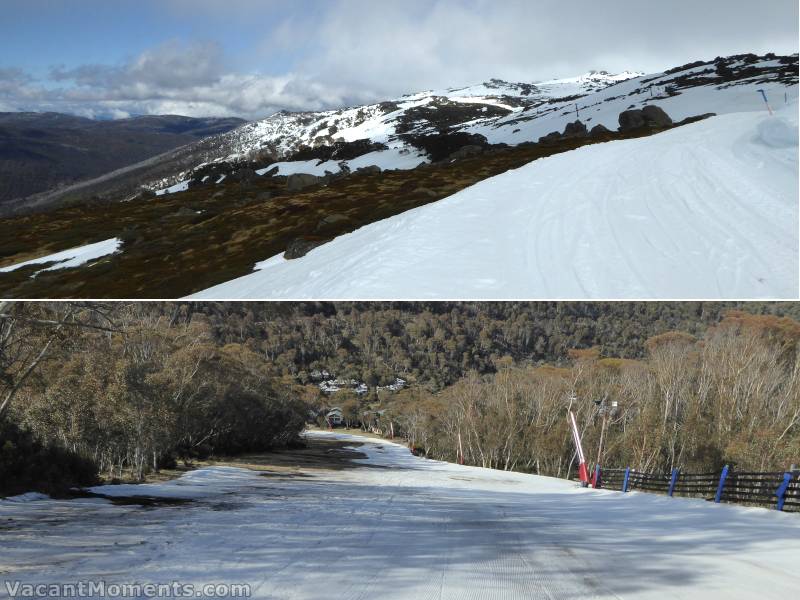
(252, 57)
(37, 34)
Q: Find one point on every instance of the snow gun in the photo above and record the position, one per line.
(582, 472)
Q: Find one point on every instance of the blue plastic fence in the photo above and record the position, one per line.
(780, 490)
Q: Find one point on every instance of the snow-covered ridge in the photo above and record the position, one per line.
(379, 122)
(504, 112)
(283, 133)
(595, 78)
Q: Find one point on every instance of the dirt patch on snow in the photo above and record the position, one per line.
(318, 455)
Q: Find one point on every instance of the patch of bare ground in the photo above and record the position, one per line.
(315, 457)
(318, 456)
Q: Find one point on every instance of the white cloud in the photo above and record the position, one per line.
(346, 52)
(399, 47)
(181, 79)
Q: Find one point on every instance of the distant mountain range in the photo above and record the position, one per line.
(40, 151)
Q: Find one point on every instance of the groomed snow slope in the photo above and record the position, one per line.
(708, 210)
(407, 529)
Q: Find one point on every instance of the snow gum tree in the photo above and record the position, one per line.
(731, 396)
(153, 388)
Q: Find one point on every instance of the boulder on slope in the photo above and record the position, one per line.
(656, 116)
(630, 120)
(599, 130)
(650, 116)
(575, 129)
(299, 181)
(298, 248)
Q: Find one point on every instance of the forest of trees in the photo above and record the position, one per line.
(730, 396)
(434, 344)
(126, 389)
(120, 389)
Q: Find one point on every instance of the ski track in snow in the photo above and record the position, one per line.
(708, 210)
(405, 528)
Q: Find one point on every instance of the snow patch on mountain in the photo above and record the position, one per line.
(181, 186)
(394, 158)
(67, 259)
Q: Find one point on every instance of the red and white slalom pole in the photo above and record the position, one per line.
(583, 474)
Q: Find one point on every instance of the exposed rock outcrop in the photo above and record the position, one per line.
(650, 116)
(333, 219)
(466, 152)
(599, 130)
(299, 181)
(631, 119)
(441, 146)
(273, 171)
(244, 174)
(550, 138)
(300, 247)
(655, 116)
(575, 129)
(371, 170)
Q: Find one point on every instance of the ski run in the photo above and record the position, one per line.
(405, 528)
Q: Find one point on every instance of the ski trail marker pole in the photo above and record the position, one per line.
(764, 95)
(781, 492)
(582, 473)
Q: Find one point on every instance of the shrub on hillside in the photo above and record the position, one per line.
(28, 465)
